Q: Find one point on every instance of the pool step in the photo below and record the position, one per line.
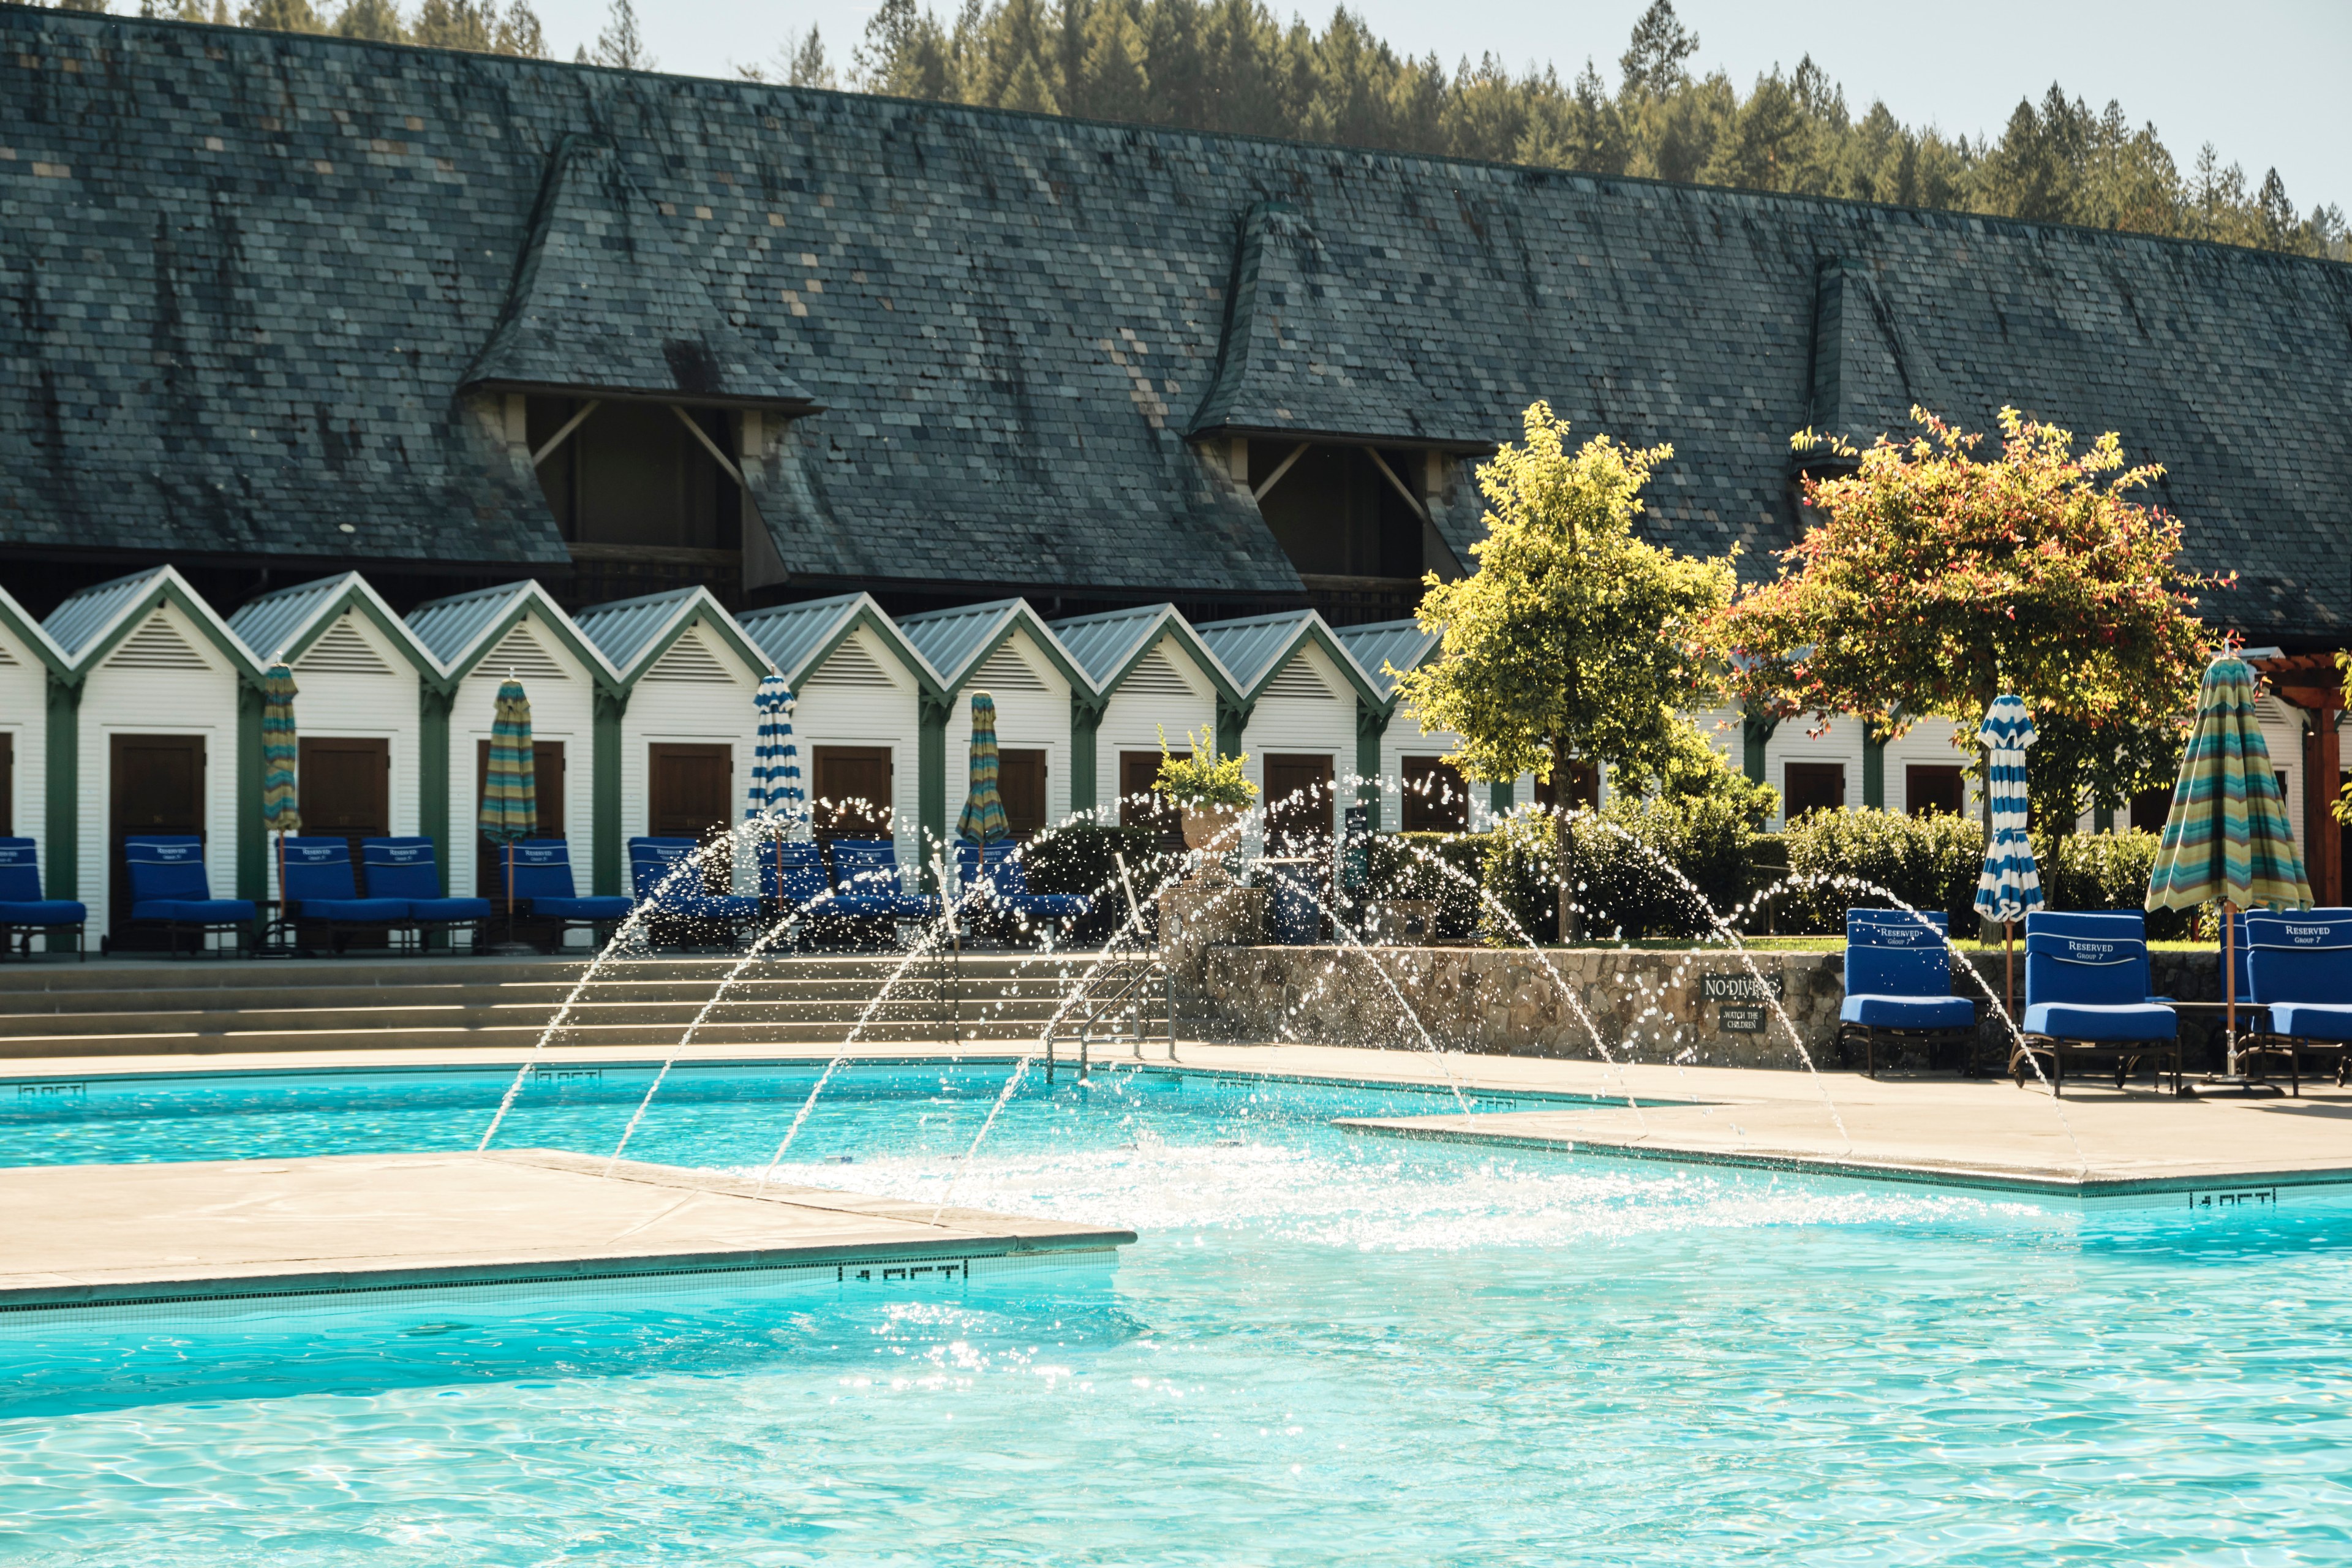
(117, 1007)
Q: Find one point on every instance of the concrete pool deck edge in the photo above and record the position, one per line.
(97, 1237)
(1922, 1173)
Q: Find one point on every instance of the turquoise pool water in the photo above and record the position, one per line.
(1326, 1349)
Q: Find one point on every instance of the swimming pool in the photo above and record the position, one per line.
(1326, 1348)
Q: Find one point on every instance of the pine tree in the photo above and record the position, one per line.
(807, 66)
(1655, 62)
(373, 20)
(620, 44)
(280, 17)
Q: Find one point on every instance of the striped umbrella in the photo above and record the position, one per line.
(2227, 837)
(2010, 886)
(511, 784)
(982, 821)
(281, 752)
(775, 762)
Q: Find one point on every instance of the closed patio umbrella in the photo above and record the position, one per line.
(2226, 838)
(776, 799)
(2010, 886)
(509, 809)
(982, 821)
(281, 760)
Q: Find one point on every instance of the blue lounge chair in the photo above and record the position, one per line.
(1002, 886)
(169, 889)
(677, 896)
(406, 868)
(1898, 987)
(868, 886)
(793, 880)
(321, 893)
(542, 880)
(24, 910)
(2086, 995)
(2301, 972)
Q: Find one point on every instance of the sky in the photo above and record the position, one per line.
(2264, 81)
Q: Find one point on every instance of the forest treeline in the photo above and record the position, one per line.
(1234, 65)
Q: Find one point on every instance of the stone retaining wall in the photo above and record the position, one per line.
(1694, 1006)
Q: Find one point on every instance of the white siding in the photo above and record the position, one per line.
(1303, 725)
(663, 710)
(1406, 738)
(563, 707)
(1026, 719)
(24, 718)
(838, 704)
(1133, 718)
(123, 696)
(336, 697)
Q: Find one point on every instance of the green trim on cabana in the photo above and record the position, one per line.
(62, 797)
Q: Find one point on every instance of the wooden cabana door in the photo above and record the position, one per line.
(155, 785)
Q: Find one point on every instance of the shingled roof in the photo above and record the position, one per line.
(247, 274)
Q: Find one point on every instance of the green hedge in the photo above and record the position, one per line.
(1076, 858)
(1929, 862)
(1407, 866)
(1622, 889)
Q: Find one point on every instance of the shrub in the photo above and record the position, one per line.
(1401, 867)
(1929, 862)
(1202, 779)
(1622, 890)
(2106, 872)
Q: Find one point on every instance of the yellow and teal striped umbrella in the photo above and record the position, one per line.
(509, 786)
(2227, 837)
(982, 821)
(281, 754)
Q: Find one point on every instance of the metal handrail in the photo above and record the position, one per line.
(1127, 979)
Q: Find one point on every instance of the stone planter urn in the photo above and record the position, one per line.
(1210, 827)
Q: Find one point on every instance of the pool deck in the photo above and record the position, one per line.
(2095, 1144)
(242, 1231)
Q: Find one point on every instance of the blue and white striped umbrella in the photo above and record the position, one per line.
(775, 761)
(2010, 883)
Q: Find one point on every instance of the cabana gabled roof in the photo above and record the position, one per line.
(957, 642)
(1255, 647)
(633, 634)
(87, 627)
(34, 635)
(798, 638)
(1375, 648)
(1110, 645)
(462, 629)
(284, 624)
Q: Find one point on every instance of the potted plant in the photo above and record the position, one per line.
(1212, 792)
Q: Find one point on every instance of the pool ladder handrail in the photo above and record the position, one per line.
(1118, 990)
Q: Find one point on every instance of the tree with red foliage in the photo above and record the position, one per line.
(1938, 580)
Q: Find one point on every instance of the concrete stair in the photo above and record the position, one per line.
(124, 1007)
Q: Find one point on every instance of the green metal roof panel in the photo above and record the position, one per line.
(1255, 646)
(625, 627)
(452, 626)
(1103, 645)
(792, 634)
(1400, 643)
(79, 623)
(952, 640)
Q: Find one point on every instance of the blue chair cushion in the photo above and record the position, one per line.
(376, 912)
(43, 912)
(607, 907)
(2123, 1023)
(447, 910)
(882, 906)
(195, 912)
(709, 907)
(1908, 1012)
(1053, 906)
(2312, 1021)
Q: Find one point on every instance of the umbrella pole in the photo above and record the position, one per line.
(2009, 968)
(2229, 988)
